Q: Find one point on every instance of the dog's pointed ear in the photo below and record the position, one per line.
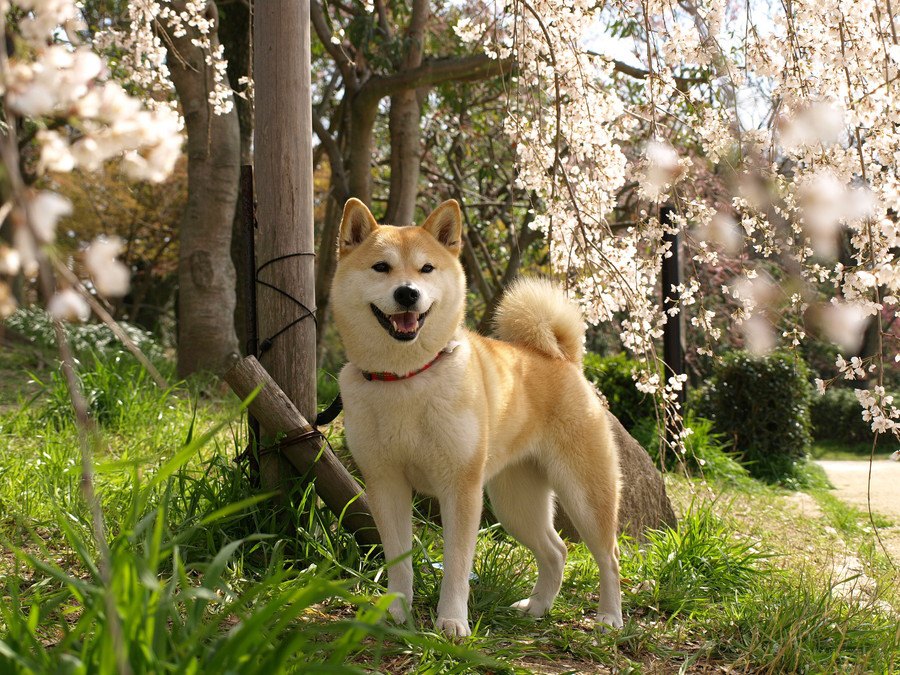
(356, 224)
(445, 225)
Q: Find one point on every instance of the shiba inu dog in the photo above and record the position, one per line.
(433, 407)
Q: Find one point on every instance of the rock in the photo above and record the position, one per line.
(643, 502)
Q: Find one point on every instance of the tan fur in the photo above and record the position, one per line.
(515, 417)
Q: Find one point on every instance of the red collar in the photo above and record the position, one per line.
(394, 377)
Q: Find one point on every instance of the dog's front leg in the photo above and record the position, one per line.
(390, 498)
(460, 514)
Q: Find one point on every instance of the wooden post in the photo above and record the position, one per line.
(337, 488)
(251, 333)
(284, 197)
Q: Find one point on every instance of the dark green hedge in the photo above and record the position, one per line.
(761, 405)
(837, 416)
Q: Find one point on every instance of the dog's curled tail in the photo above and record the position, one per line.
(536, 313)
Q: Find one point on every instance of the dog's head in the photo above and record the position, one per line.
(398, 293)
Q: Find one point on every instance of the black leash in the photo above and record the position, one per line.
(308, 313)
(330, 413)
(327, 416)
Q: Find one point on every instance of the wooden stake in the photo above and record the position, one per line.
(337, 488)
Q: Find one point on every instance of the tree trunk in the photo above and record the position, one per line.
(325, 264)
(363, 112)
(403, 123)
(234, 34)
(206, 277)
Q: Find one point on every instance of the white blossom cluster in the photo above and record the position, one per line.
(83, 119)
(568, 126)
(146, 54)
(836, 65)
(879, 409)
(60, 82)
(799, 109)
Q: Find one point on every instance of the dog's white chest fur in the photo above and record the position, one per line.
(420, 423)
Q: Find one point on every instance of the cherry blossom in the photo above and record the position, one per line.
(111, 277)
(83, 118)
(148, 53)
(68, 305)
(795, 104)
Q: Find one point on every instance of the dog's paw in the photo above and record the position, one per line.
(606, 620)
(531, 606)
(453, 627)
(398, 612)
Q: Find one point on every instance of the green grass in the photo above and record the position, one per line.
(851, 451)
(209, 577)
(845, 518)
(202, 574)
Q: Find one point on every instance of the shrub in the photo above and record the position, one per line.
(612, 376)
(761, 404)
(706, 452)
(35, 324)
(837, 416)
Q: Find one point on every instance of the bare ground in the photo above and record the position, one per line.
(851, 482)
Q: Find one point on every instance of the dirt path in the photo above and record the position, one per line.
(850, 478)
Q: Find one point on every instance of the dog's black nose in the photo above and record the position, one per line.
(406, 296)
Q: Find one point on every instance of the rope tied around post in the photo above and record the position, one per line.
(304, 446)
(337, 405)
(290, 439)
(266, 343)
(298, 435)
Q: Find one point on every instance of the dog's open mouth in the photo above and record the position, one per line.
(400, 326)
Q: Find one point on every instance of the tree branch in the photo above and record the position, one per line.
(641, 74)
(436, 71)
(335, 160)
(383, 22)
(346, 66)
(415, 34)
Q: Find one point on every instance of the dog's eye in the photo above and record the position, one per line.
(426, 268)
(381, 267)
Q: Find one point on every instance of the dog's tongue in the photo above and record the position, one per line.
(405, 322)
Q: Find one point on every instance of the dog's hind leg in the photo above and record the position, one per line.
(390, 498)
(588, 491)
(521, 498)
